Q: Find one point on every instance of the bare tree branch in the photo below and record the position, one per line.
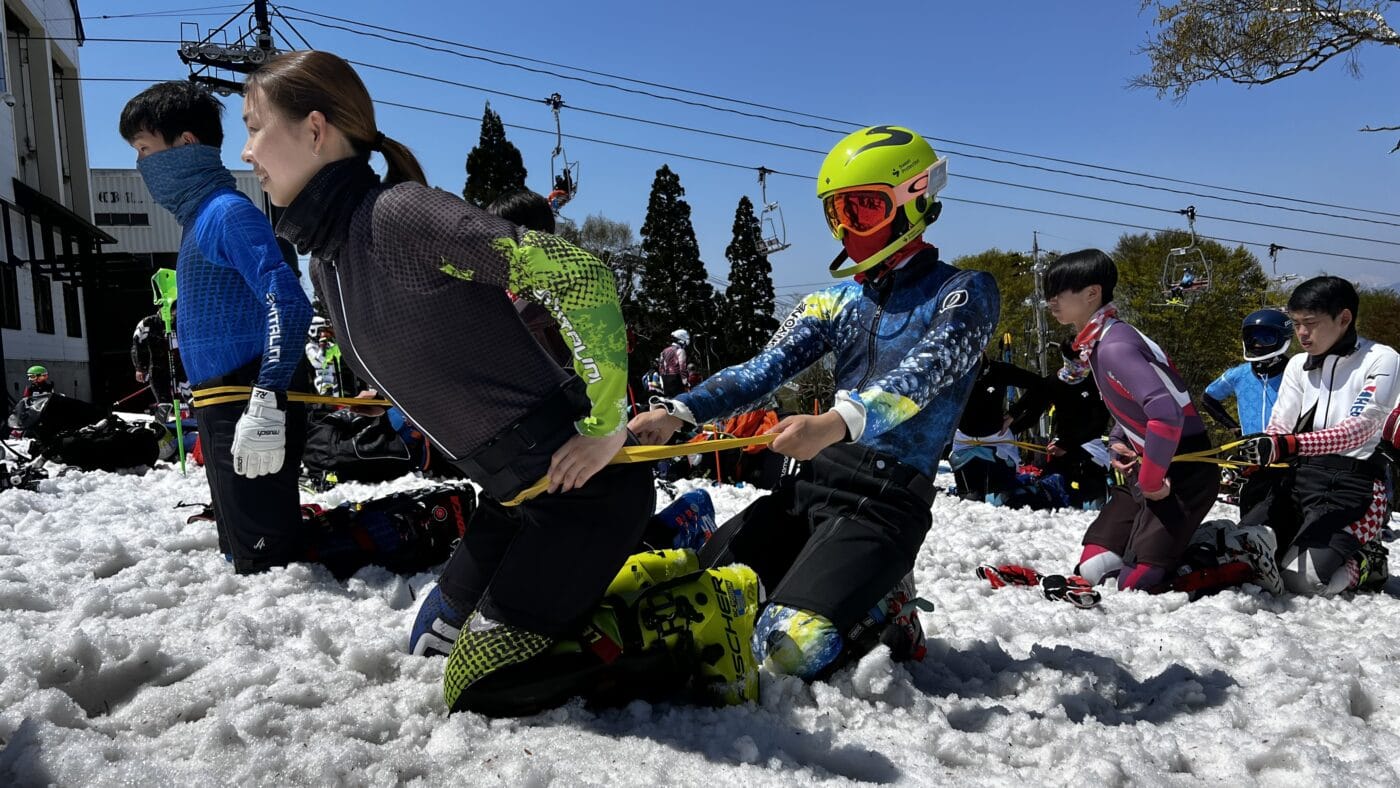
(1256, 42)
(1384, 128)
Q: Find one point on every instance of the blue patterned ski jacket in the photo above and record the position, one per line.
(906, 356)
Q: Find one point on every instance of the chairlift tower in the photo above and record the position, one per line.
(216, 51)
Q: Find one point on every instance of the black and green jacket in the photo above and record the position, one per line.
(415, 282)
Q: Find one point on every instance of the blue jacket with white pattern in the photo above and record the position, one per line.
(906, 352)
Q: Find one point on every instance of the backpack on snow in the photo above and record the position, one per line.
(404, 532)
(109, 445)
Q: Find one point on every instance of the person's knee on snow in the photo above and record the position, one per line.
(1318, 571)
(1097, 564)
(1142, 577)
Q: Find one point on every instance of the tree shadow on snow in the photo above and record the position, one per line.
(1116, 697)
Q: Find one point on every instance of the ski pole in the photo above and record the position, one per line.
(131, 396)
(163, 283)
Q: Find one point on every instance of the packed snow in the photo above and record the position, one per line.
(131, 654)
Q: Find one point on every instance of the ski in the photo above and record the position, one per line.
(1063, 588)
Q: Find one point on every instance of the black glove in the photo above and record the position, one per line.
(1265, 449)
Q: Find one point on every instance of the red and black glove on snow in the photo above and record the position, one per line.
(1265, 449)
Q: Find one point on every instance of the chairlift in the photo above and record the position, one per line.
(1187, 272)
(564, 175)
(772, 232)
(1276, 281)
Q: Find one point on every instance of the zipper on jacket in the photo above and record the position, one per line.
(345, 320)
(883, 296)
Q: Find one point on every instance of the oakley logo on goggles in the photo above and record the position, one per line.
(867, 209)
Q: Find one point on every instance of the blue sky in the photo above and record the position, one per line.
(1043, 78)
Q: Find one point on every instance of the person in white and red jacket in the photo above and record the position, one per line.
(1328, 423)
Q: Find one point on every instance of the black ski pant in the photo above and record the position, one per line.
(1316, 505)
(544, 565)
(835, 537)
(1085, 479)
(979, 478)
(259, 520)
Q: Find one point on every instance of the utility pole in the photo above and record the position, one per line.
(1038, 302)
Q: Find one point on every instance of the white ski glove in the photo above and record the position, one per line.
(260, 439)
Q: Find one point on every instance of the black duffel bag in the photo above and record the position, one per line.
(109, 445)
(356, 448)
(45, 416)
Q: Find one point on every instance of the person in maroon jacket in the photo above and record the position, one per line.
(1142, 531)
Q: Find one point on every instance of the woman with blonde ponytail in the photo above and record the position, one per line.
(415, 282)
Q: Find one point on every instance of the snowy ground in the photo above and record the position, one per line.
(131, 654)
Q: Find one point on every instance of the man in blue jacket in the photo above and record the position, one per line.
(831, 541)
(1266, 336)
(242, 317)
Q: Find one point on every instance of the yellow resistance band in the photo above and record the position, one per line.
(1206, 455)
(222, 395)
(630, 454)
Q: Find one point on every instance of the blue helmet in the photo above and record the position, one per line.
(1267, 334)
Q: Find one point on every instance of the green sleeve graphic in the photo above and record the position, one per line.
(579, 291)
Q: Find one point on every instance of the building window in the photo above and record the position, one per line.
(9, 297)
(43, 304)
(122, 219)
(72, 310)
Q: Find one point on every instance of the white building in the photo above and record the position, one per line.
(50, 243)
(147, 238)
(124, 208)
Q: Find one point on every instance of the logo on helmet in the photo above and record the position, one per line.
(893, 137)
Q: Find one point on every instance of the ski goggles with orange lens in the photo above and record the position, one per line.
(867, 209)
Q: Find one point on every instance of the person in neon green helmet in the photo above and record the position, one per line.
(39, 382)
(835, 543)
(878, 188)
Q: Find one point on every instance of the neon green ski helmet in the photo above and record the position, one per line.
(884, 158)
(37, 370)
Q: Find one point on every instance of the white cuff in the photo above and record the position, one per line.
(676, 408)
(852, 411)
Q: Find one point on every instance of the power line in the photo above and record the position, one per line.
(964, 154)
(721, 163)
(785, 146)
(850, 125)
(174, 12)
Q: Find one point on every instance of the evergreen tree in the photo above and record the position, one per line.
(494, 166)
(749, 297)
(674, 291)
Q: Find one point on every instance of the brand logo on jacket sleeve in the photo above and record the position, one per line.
(953, 300)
